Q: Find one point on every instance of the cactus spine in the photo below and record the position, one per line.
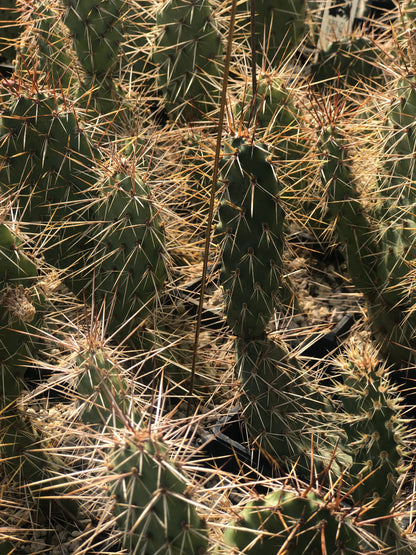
(96, 30)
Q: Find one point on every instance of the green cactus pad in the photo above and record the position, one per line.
(153, 507)
(188, 51)
(251, 227)
(103, 392)
(285, 414)
(97, 32)
(286, 522)
(46, 161)
(130, 257)
(353, 227)
(374, 428)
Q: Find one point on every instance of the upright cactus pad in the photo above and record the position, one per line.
(353, 227)
(188, 52)
(103, 392)
(49, 45)
(130, 257)
(279, 27)
(284, 412)
(45, 161)
(251, 226)
(153, 507)
(374, 429)
(96, 30)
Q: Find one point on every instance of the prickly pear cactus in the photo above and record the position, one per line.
(283, 411)
(354, 227)
(96, 30)
(279, 28)
(130, 260)
(188, 52)
(379, 246)
(251, 226)
(46, 161)
(103, 392)
(275, 115)
(375, 431)
(153, 507)
(286, 522)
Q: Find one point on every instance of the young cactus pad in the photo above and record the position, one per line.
(130, 256)
(46, 161)
(374, 431)
(187, 53)
(251, 226)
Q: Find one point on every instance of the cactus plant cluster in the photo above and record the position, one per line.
(107, 127)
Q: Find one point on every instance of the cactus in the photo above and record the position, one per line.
(379, 246)
(354, 227)
(374, 429)
(289, 419)
(153, 506)
(251, 222)
(46, 163)
(277, 399)
(279, 29)
(286, 522)
(187, 53)
(102, 390)
(349, 63)
(129, 258)
(96, 30)
(19, 302)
